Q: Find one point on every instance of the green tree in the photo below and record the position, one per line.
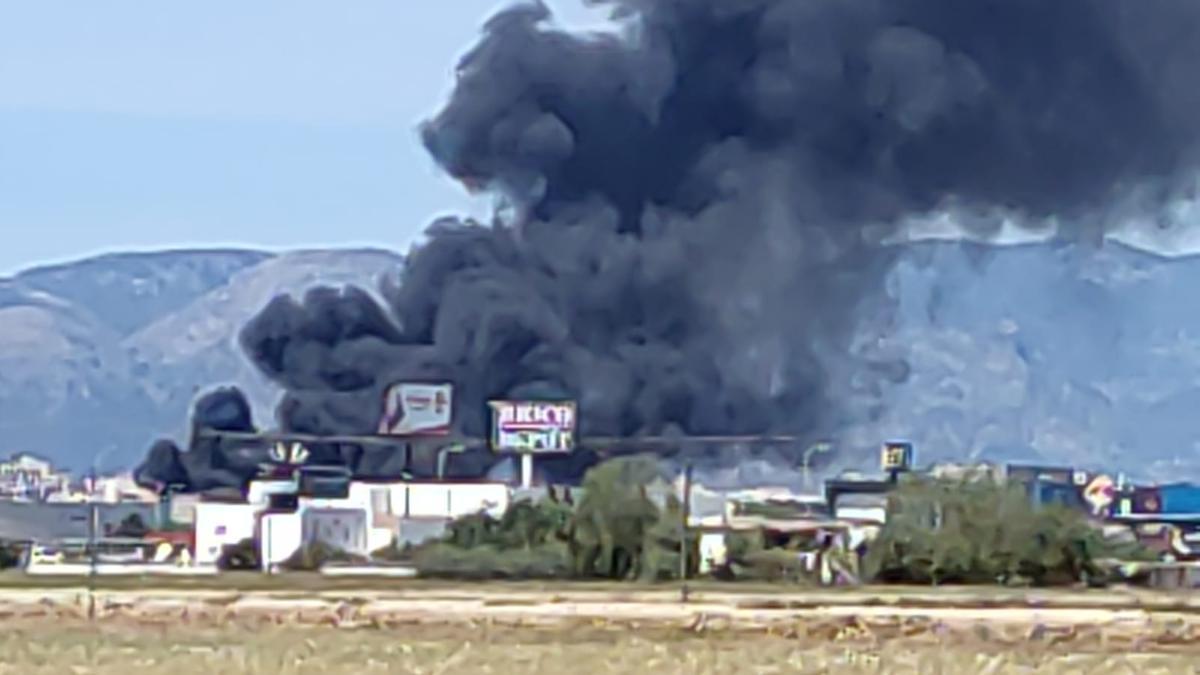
(981, 531)
(473, 530)
(661, 548)
(528, 524)
(611, 521)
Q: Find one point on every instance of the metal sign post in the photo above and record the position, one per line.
(526, 470)
(267, 534)
(685, 510)
(93, 518)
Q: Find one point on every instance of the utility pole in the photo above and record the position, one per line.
(813, 449)
(442, 456)
(267, 535)
(685, 510)
(92, 527)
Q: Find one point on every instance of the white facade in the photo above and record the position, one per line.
(387, 505)
(219, 525)
(712, 551)
(182, 508)
(27, 477)
(341, 529)
(122, 488)
(27, 464)
(259, 491)
(866, 514)
(864, 508)
(367, 520)
(455, 500)
(362, 497)
(281, 536)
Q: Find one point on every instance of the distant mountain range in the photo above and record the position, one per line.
(100, 357)
(1038, 352)
(1057, 353)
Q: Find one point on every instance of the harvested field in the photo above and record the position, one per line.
(122, 646)
(514, 628)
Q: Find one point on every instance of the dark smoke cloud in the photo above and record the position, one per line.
(210, 461)
(693, 208)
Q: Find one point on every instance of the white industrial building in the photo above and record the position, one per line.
(221, 524)
(371, 517)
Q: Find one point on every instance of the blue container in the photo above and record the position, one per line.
(1180, 498)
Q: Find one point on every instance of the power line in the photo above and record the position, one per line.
(585, 441)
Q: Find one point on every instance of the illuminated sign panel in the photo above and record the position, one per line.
(534, 427)
(896, 456)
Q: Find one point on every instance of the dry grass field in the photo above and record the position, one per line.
(121, 648)
(524, 628)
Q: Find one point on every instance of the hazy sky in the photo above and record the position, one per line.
(277, 123)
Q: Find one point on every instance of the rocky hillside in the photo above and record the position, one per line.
(1084, 356)
(99, 357)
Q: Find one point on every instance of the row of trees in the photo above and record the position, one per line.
(972, 531)
(983, 532)
(615, 531)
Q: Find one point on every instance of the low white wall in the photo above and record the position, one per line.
(219, 525)
(83, 570)
(281, 536)
(454, 500)
(872, 514)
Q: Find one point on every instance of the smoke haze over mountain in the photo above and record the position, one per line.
(694, 207)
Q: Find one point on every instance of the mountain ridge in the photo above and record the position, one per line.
(91, 367)
(1057, 352)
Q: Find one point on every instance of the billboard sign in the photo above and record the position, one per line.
(293, 454)
(1100, 493)
(896, 456)
(411, 409)
(283, 458)
(534, 427)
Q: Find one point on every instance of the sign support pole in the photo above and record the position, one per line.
(685, 513)
(526, 470)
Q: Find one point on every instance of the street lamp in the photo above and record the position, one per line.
(443, 453)
(93, 525)
(816, 448)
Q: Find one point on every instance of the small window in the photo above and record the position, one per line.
(220, 530)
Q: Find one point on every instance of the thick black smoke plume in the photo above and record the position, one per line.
(694, 208)
(211, 461)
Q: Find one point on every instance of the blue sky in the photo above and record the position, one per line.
(273, 123)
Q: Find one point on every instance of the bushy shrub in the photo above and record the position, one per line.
(982, 531)
(661, 548)
(474, 530)
(772, 564)
(240, 556)
(12, 554)
(748, 558)
(312, 557)
(614, 532)
(444, 560)
(394, 552)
